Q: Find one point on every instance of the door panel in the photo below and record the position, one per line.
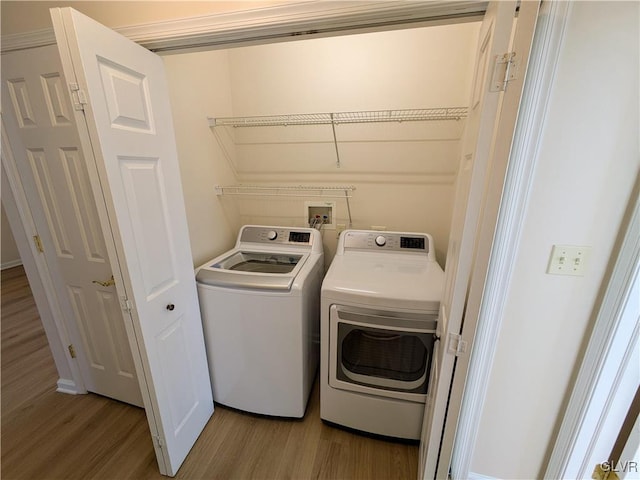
(182, 397)
(127, 134)
(120, 351)
(142, 180)
(90, 335)
(127, 97)
(55, 99)
(84, 207)
(52, 168)
(474, 170)
(50, 201)
(21, 102)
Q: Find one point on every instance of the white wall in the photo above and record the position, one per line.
(404, 174)
(589, 160)
(9, 255)
(197, 87)
(413, 68)
(403, 69)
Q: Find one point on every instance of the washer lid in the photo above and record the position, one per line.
(396, 281)
(259, 262)
(252, 270)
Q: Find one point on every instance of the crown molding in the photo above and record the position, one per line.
(20, 41)
(278, 23)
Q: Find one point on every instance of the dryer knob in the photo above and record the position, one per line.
(272, 234)
(381, 241)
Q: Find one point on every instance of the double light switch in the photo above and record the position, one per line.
(568, 260)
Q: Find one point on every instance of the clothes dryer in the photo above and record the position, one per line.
(379, 318)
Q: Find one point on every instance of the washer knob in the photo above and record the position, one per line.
(381, 241)
(272, 235)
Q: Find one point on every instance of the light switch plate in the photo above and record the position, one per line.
(568, 260)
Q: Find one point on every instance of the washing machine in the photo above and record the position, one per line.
(260, 305)
(379, 316)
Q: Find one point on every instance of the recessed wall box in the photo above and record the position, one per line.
(323, 213)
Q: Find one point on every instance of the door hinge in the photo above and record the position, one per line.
(78, 96)
(158, 441)
(505, 69)
(125, 303)
(72, 351)
(456, 345)
(38, 242)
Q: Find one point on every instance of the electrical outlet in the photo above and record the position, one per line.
(341, 227)
(568, 260)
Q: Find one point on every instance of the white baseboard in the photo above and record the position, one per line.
(11, 264)
(67, 386)
(479, 476)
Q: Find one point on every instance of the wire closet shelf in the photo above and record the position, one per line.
(374, 116)
(306, 191)
(286, 191)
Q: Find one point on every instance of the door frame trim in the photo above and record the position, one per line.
(615, 331)
(276, 23)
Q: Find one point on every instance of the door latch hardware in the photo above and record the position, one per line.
(72, 351)
(109, 283)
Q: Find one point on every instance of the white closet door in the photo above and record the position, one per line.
(126, 129)
(44, 140)
(485, 148)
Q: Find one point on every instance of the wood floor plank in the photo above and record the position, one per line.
(48, 435)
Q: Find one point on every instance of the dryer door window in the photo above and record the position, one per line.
(380, 353)
(384, 359)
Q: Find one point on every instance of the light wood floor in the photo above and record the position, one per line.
(50, 435)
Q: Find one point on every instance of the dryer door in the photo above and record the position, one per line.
(382, 353)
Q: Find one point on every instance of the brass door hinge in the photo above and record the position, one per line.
(38, 242)
(72, 351)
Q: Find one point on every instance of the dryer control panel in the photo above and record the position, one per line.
(386, 241)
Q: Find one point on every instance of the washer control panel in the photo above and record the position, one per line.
(386, 241)
(277, 235)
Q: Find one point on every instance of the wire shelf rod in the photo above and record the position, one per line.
(289, 195)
